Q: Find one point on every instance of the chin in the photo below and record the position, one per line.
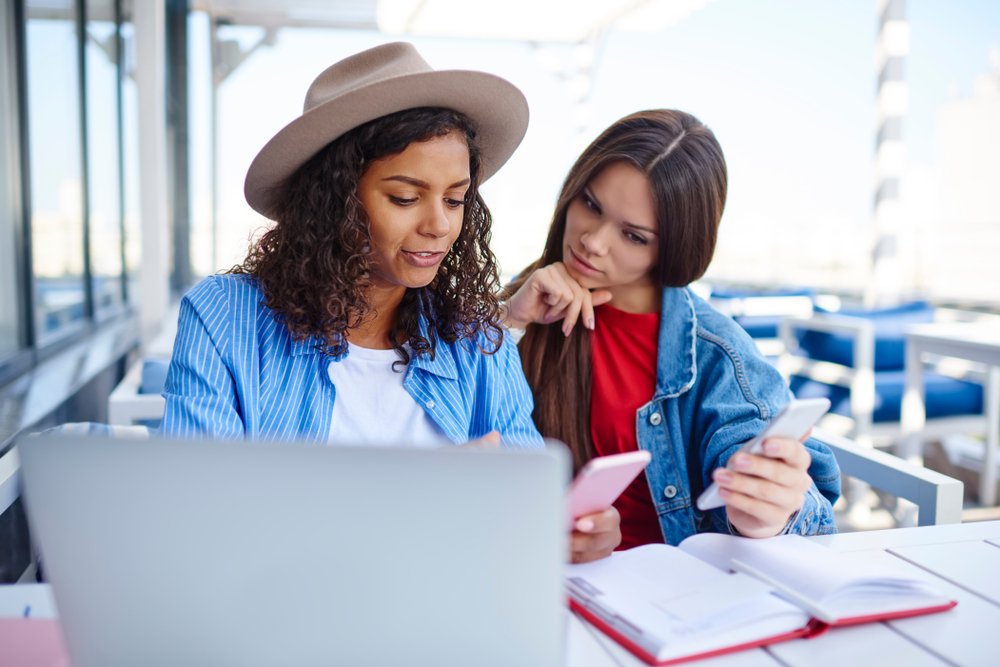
(585, 281)
(419, 281)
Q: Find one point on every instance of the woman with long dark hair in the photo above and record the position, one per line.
(621, 355)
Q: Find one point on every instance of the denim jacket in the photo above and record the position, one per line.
(714, 391)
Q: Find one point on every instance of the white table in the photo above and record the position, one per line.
(970, 342)
(962, 559)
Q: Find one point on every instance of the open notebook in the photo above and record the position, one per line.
(715, 594)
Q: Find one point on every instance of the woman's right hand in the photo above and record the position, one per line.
(551, 294)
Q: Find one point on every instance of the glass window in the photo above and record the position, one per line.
(200, 99)
(56, 164)
(130, 146)
(10, 184)
(103, 175)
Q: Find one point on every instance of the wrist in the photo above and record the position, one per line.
(762, 531)
(508, 319)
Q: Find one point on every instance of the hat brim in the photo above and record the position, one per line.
(496, 108)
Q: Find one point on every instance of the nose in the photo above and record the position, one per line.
(595, 240)
(436, 221)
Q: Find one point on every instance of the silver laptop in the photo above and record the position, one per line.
(220, 553)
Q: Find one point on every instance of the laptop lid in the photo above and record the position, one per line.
(235, 553)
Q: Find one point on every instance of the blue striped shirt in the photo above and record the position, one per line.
(236, 372)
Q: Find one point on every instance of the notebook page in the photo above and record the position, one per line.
(814, 571)
(672, 604)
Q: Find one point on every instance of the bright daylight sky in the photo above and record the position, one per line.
(787, 86)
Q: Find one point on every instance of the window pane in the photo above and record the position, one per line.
(56, 194)
(130, 141)
(10, 209)
(104, 185)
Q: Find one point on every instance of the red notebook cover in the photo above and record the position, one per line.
(812, 629)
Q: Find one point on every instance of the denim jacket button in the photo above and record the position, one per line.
(655, 419)
(670, 491)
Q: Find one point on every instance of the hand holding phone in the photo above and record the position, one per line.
(794, 422)
(601, 480)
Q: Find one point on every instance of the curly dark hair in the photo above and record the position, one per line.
(313, 265)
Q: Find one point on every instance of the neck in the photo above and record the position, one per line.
(373, 332)
(637, 298)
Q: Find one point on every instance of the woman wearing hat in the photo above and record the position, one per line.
(368, 313)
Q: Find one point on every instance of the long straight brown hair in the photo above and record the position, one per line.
(687, 175)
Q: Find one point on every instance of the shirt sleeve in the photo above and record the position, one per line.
(200, 393)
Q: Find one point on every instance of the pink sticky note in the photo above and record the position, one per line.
(32, 642)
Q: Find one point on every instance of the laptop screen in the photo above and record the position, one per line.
(186, 552)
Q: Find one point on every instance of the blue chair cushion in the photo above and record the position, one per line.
(890, 339)
(759, 326)
(737, 293)
(944, 396)
(154, 376)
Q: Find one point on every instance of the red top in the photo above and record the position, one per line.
(623, 349)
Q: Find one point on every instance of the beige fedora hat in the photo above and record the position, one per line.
(379, 81)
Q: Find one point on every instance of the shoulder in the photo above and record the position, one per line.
(228, 298)
(227, 288)
(719, 333)
(712, 323)
(727, 355)
(228, 305)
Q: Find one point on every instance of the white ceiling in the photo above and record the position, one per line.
(522, 20)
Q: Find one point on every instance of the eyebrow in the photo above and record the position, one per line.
(424, 184)
(631, 225)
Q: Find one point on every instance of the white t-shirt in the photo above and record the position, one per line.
(373, 408)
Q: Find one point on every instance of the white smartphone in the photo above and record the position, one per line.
(601, 480)
(794, 421)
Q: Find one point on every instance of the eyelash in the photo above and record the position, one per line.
(589, 202)
(400, 201)
(635, 238)
(591, 205)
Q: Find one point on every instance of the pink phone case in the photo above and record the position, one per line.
(602, 480)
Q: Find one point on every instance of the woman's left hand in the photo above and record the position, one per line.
(762, 491)
(595, 536)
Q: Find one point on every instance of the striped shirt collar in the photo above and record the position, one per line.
(442, 365)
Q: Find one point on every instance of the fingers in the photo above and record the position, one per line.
(762, 491)
(489, 441)
(595, 536)
(552, 294)
(590, 301)
(571, 298)
(791, 451)
(754, 517)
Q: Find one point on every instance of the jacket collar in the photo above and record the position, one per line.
(676, 361)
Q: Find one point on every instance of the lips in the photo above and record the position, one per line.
(423, 258)
(581, 264)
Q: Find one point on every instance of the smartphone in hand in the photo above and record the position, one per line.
(794, 421)
(601, 480)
